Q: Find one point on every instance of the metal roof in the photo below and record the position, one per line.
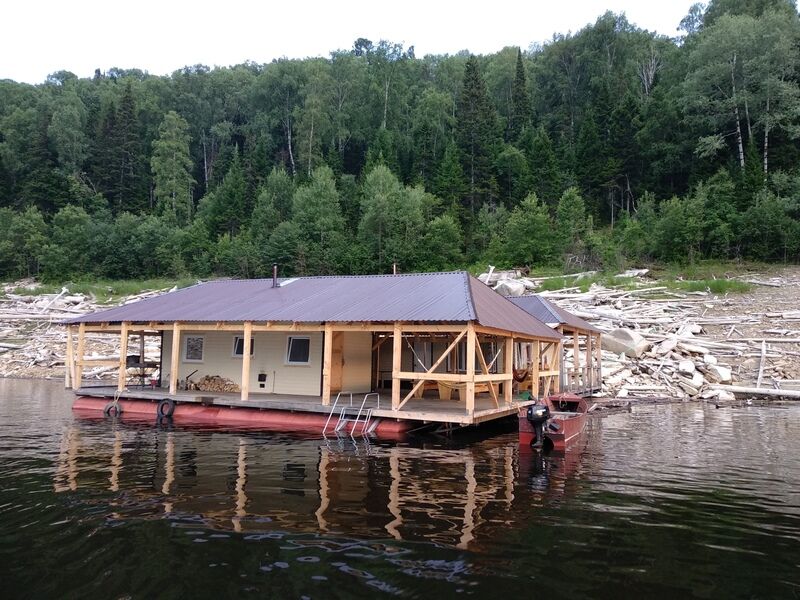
(550, 313)
(427, 297)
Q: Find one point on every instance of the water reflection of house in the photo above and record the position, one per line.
(239, 482)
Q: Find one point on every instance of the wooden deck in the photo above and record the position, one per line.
(428, 408)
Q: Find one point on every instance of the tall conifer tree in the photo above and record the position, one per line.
(520, 102)
(476, 133)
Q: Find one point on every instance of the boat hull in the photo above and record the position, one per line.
(567, 423)
(234, 417)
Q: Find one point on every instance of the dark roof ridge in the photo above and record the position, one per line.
(470, 298)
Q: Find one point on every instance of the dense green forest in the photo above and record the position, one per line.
(608, 146)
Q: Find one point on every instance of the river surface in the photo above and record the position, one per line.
(670, 501)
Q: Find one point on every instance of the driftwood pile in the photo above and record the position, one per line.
(213, 383)
(659, 343)
(33, 344)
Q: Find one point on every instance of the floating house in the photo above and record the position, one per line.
(311, 351)
(580, 366)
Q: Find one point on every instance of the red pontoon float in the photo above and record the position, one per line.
(237, 417)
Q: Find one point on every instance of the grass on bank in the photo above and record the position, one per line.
(715, 286)
(701, 276)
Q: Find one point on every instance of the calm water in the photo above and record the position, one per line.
(665, 502)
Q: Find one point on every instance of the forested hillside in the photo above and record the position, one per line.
(608, 146)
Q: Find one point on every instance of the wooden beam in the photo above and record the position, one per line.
(122, 372)
(176, 355)
(397, 351)
(236, 326)
(327, 360)
(508, 369)
(498, 377)
(589, 383)
(576, 360)
(470, 391)
(485, 369)
(557, 353)
(599, 359)
(247, 344)
(435, 365)
(379, 343)
(69, 362)
(505, 333)
(78, 373)
(417, 376)
(536, 363)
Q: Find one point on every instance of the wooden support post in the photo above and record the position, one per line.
(69, 362)
(508, 369)
(176, 355)
(576, 362)
(397, 352)
(247, 344)
(470, 387)
(536, 361)
(558, 351)
(122, 372)
(77, 378)
(589, 368)
(598, 349)
(327, 360)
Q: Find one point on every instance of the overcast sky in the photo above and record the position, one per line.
(43, 36)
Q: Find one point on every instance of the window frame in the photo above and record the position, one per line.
(236, 339)
(289, 340)
(185, 344)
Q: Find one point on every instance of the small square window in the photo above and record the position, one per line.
(238, 345)
(298, 350)
(193, 348)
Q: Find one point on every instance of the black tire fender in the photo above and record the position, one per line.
(165, 408)
(112, 409)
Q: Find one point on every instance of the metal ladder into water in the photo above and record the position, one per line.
(349, 414)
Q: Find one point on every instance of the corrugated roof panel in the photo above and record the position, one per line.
(536, 306)
(495, 310)
(414, 297)
(549, 312)
(427, 297)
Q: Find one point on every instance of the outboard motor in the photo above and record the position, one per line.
(537, 416)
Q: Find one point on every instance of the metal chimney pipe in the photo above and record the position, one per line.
(274, 275)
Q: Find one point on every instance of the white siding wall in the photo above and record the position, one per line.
(269, 357)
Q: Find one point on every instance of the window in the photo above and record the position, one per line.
(238, 345)
(193, 348)
(298, 350)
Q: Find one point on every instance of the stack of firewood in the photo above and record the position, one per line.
(214, 383)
